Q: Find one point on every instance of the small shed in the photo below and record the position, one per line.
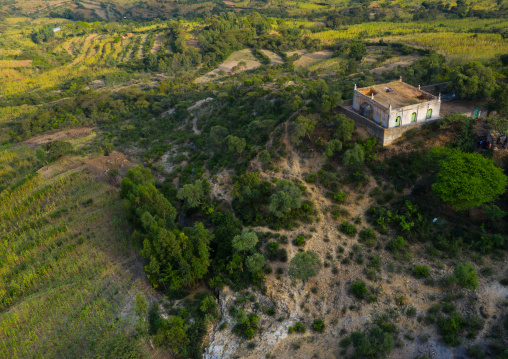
(56, 29)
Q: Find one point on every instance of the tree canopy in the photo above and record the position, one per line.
(468, 180)
(192, 194)
(175, 258)
(354, 156)
(345, 128)
(246, 241)
(473, 81)
(302, 127)
(304, 265)
(286, 198)
(332, 147)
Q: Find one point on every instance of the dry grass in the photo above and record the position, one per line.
(274, 58)
(12, 64)
(312, 58)
(401, 61)
(233, 60)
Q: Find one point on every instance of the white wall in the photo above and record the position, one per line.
(421, 113)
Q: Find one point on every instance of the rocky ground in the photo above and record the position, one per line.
(327, 294)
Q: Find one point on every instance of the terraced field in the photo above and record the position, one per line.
(65, 265)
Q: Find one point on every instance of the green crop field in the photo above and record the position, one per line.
(63, 265)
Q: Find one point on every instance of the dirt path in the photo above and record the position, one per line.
(141, 43)
(67, 47)
(195, 116)
(157, 45)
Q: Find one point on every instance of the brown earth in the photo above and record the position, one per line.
(57, 136)
(98, 167)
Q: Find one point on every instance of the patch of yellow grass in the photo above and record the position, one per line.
(12, 64)
(15, 20)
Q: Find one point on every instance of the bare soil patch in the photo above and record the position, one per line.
(462, 106)
(57, 136)
(274, 58)
(157, 45)
(233, 60)
(297, 52)
(402, 61)
(98, 167)
(193, 43)
(312, 58)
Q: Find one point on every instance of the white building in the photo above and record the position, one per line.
(396, 104)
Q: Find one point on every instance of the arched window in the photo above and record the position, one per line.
(413, 117)
(397, 121)
(429, 113)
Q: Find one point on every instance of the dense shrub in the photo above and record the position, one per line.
(421, 271)
(348, 228)
(300, 240)
(396, 244)
(298, 327)
(304, 265)
(318, 325)
(466, 276)
(358, 289)
(368, 236)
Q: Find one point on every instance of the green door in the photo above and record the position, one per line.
(429, 113)
(413, 117)
(397, 121)
(476, 113)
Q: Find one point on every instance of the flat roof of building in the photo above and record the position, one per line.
(396, 93)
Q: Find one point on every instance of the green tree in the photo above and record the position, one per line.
(499, 101)
(217, 136)
(44, 34)
(359, 289)
(301, 127)
(354, 157)
(246, 241)
(332, 147)
(377, 343)
(357, 50)
(255, 262)
(192, 194)
(141, 310)
(473, 81)
(264, 157)
(41, 155)
(172, 334)
(304, 265)
(176, 259)
(236, 145)
(57, 149)
(466, 276)
(142, 197)
(286, 198)
(345, 128)
(468, 180)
